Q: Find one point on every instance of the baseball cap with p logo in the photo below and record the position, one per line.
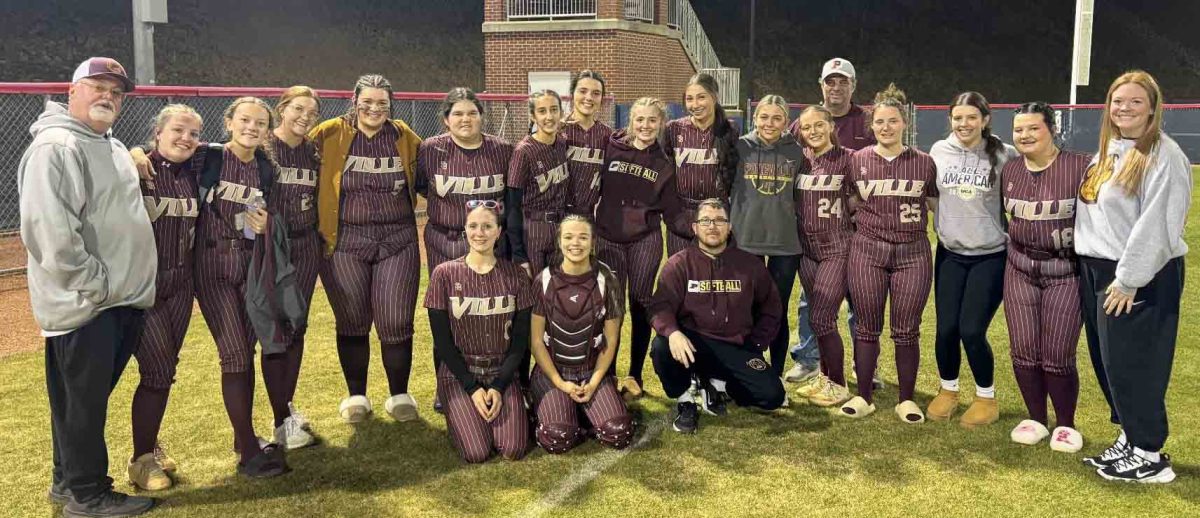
(102, 67)
(837, 66)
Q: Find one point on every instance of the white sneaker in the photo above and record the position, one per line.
(355, 409)
(1029, 432)
(300, 418)
(402, 407)
(800, 372)
(292, 436)
(1066, 440)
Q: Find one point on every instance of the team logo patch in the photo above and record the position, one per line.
(757, 364)
(966, 192)
(458, 286)
(540, 165)
(444, 165)
(680, 138)
(114, 67)
(575, 298)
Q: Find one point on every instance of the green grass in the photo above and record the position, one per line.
(803, 460)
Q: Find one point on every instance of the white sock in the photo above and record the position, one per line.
(718, 385)
(1121, 439)
(951, 385)
(686, 397)
(987, 392)
(1151, 456)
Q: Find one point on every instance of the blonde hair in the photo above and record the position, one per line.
(643, 102)
(773, 100)
(1134, 169)
(272, 121)
(291, 94)
(164, 116)
(828, 115)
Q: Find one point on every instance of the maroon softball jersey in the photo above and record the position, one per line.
(585, 150)
(481, 306)
(1041, 205)
(170, 199)
(374, 185)
(852, 129)
(730, 297)
(227, 200)
(696, 160)
(449, 176)
(295, 191)
(893, 193)
(823, 210)
(637, 190)
(541, 172)
(575, 308)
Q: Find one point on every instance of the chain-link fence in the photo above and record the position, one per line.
(506, 116)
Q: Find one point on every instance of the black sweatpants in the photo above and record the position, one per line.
(82, 367)
(1132, 353)
(967, 291)
(783, 270)
(748, 378)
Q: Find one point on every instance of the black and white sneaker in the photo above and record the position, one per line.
(686, 417)
(712, 400)
(1106, 458)
(1136, 468)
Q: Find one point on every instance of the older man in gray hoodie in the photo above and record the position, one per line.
(91, 270)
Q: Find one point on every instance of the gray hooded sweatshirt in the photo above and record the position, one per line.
(970, 217)
(764, 196)
(89, 242)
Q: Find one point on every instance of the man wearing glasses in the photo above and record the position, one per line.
(91, 272)
(716, 310)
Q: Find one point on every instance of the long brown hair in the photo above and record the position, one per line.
(286, 98)
(1131, 174)
(993, 146)
(272, 121)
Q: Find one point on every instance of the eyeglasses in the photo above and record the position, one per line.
(381, 106)
(116, 92)
(495, 205)
(705, 223)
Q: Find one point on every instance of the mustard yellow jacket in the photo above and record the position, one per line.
(333, 138)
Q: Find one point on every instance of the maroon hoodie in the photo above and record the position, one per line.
(730, 297)
(637, 188)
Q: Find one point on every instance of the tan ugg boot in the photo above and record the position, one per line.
(983, 411)
(943, 405)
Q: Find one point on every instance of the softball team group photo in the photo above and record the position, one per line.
(537, 252)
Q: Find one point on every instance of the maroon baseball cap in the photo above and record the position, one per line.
(102, 67)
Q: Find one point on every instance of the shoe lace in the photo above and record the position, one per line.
(160, 453)
(1113, 452)
(1129, 462)
(299, 418)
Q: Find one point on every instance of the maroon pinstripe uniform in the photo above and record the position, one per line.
(372, 276)
(585, 150)
(295, 197)
(223, 256)
(481, 308)
(541, 172)
(889, 255)
(697, 167)
(825, 232)
(637, 189)
(575, 308)
(852, 129)
(1041, 282)
(449, 176)
(171, 203)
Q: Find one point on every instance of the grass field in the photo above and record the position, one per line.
(802, 461)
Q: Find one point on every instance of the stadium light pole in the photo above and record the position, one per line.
(146, 13)
(1081, 48)
(750, 63)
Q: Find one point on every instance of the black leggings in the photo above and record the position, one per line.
(783, 270)
(967, 291)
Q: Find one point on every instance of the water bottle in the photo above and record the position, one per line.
(253, 205)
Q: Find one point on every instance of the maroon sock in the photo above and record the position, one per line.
(833, 364)
(1033, 390)
(237, 388)
(908, 361)
(149, 407)
(354, 353)
(1064, 393)
(397, 364)
(866, 355)
(275, 377)
(295, 354)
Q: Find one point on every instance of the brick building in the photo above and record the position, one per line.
(643, 47)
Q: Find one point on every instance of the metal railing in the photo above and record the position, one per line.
(642, 10)
(673, 13)
(681, 15)
(728, 79)
(549, 9)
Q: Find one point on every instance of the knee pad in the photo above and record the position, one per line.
(616, 432)
(556, 437)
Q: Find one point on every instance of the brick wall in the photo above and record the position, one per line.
(635, 64)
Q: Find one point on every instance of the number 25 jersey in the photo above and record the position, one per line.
(893, 193)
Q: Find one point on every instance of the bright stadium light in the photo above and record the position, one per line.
(1081, 49)
(146, 13)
